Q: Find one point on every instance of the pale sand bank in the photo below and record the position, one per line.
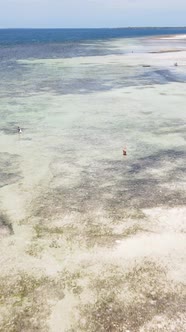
(173, 37)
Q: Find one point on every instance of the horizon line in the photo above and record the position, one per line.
(93, 28)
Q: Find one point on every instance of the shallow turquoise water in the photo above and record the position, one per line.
(78, 114)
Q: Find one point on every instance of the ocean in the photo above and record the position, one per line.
(20, 44)
(38, 36)
(88, 234)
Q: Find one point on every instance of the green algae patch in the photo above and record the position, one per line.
(35, 249)
(127, 300)
(42, 230)
(24, 302)
(72, 281)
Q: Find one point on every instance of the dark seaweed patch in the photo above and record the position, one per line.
(157, 159)
(9, 169)
(5, 224)
(11, 129)
(162, 76)
(8, 130)
(115, 187)
(126, 300)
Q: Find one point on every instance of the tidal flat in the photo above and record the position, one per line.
(91, 240)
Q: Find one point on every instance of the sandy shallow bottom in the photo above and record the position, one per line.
(91, 240)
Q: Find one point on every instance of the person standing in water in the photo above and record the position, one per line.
(19, 130)
(124, 151)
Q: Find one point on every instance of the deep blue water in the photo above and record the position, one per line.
(18, 78)
(27, 36)
(68, 43)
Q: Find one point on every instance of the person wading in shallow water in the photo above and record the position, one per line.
(19, 130)
(124, 152)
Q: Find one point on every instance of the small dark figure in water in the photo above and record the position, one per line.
(124, 152)
(19, 130)
(176, 64)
